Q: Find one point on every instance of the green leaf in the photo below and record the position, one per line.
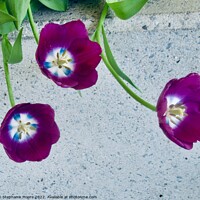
(35, 5)
(8, 27)
(124, 9)
(3, 6)
(58, 5)
(6, 48)
(113, 62)
(18, 10)
(16, 51)
(4, 17)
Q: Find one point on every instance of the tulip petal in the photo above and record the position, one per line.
(87, 81)
(36, 132)
(67, 56)
(178, 110)
(86, 54)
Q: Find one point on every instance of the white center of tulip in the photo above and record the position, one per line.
(59, 62)
(176, 111)
(22, 126)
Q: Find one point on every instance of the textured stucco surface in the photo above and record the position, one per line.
(110, 146)
(171, 6)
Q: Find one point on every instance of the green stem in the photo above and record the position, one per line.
(6, 46)
(8, 83)
(102, 19)
(110, 68)
(126, 88)
(33, 26)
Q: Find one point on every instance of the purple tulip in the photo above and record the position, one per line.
(178, 110)
(28, 131)
(67, 56)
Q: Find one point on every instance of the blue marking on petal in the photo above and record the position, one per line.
(16, 137)
(9, 127)
(66, 71)
(16, 117)
(62, 50)
(55, 73)
(34, 125)
(29, 116)
(47, 65)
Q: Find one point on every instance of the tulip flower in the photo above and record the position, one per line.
(178, 110)
(67, 56)
(28, 132)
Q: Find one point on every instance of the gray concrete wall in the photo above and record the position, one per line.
(110, 146)
(171, 6)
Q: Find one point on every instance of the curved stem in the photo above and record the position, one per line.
(102, 18)
(6, 48)
(8, 83)
(110, 68)
(126, 88)
(33, 26)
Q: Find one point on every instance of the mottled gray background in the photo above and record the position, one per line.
(110, 146)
